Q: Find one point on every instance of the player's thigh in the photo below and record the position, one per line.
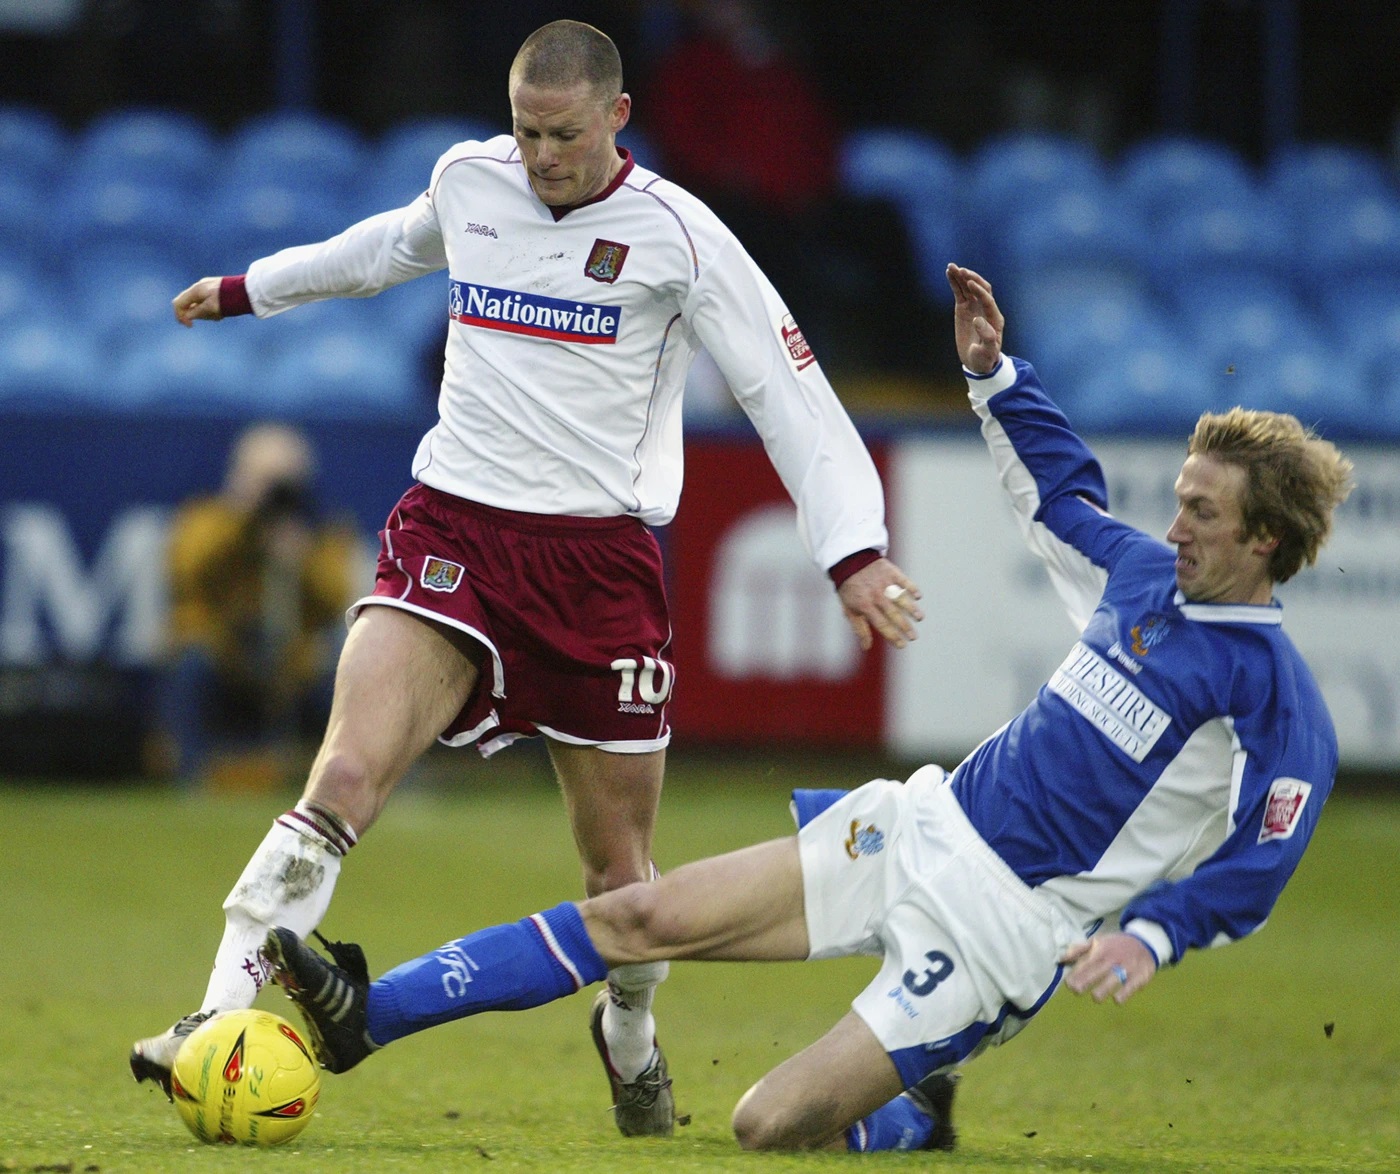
(811, 1099)
(400, 681)
(741, 906)
(611, 800)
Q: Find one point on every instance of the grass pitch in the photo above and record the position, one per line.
(1281, 1053)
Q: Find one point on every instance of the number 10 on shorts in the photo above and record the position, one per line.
(646, 681)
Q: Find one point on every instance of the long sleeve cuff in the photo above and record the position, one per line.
(233, 296)
(852, 563)
(981, 388)
(1153, 936)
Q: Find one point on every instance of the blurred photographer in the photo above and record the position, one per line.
(258, 586)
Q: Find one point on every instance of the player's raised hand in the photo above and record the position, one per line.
(882, 597)
(977, 322)
(201, 300)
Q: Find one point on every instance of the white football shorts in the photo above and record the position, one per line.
(971, 952)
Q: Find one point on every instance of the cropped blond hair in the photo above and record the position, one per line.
(564, 53)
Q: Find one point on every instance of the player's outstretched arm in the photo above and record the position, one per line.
(977, 322)
(201, 300)
(880, 596)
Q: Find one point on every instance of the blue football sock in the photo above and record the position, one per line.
(898, 1125)
(504, 968)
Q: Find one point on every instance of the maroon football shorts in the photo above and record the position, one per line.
(572, 610)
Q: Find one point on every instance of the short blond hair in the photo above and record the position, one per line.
(1295, 480)
(564, 53)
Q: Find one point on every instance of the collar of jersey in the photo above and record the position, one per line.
(559, 211)
(1229, 613)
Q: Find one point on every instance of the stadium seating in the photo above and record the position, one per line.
(33, 143)
(920, 177)
(148, 146)
(1160, 176)
(341, 373)
(1156, 385)
(26, 215)
(48, 362)
(201, 371)
(1176, 277)
(301, 149)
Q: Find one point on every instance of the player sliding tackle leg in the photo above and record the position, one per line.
(842, 1092)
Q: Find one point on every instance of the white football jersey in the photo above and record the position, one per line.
(568, 340)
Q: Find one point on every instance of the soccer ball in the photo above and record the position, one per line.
(246, 1077)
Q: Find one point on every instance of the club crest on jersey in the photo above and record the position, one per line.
(795, 341)
(605, 261)
(439, 574)
(533, 314)
(1147, 634)
(1287, 797)
(864, 841)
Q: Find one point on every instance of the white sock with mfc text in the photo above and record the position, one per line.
(288, 881)
(628, 1026)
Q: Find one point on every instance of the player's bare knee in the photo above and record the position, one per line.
(624, 920)
(765, 1122)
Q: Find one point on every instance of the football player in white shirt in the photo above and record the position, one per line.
(519, 589)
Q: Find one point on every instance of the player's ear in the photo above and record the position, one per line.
(620, 113)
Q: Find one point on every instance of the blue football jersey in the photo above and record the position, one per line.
(1169, 774)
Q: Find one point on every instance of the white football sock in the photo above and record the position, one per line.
(288, 881)
(628, 1026)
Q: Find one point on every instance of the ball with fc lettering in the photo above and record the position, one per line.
(245, 1077)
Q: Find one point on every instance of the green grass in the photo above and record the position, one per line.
(109, 918)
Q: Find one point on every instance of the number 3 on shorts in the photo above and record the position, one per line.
(924, 984)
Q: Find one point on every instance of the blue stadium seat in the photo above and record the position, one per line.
(133, 293)
(48, 363)
(343, 373)
(907, 167)
(1351, 235)
(107, 211)
(1078, 231)
(1155, 386)
(1065, 322)
(33, 143)
(1019, 172)
(205, 370)
(148, 146)
(921, 178)
(415, 312)
(1233, 318)
(643, 148)
(304, 150)
(1227, 237)
(1307, 175)
(243, 223)
(1319, 384)
(26, 216)
(1363, 316)
(1163, 174)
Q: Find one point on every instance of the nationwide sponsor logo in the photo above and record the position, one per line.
(1287, 798)
(1110, 702)
(605, 261)
(864, 841)
(481, 230)
(796, 342)
(532, 314)
(440, 574)
(1147, 634)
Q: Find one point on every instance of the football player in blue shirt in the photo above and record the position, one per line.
(1153, 798)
